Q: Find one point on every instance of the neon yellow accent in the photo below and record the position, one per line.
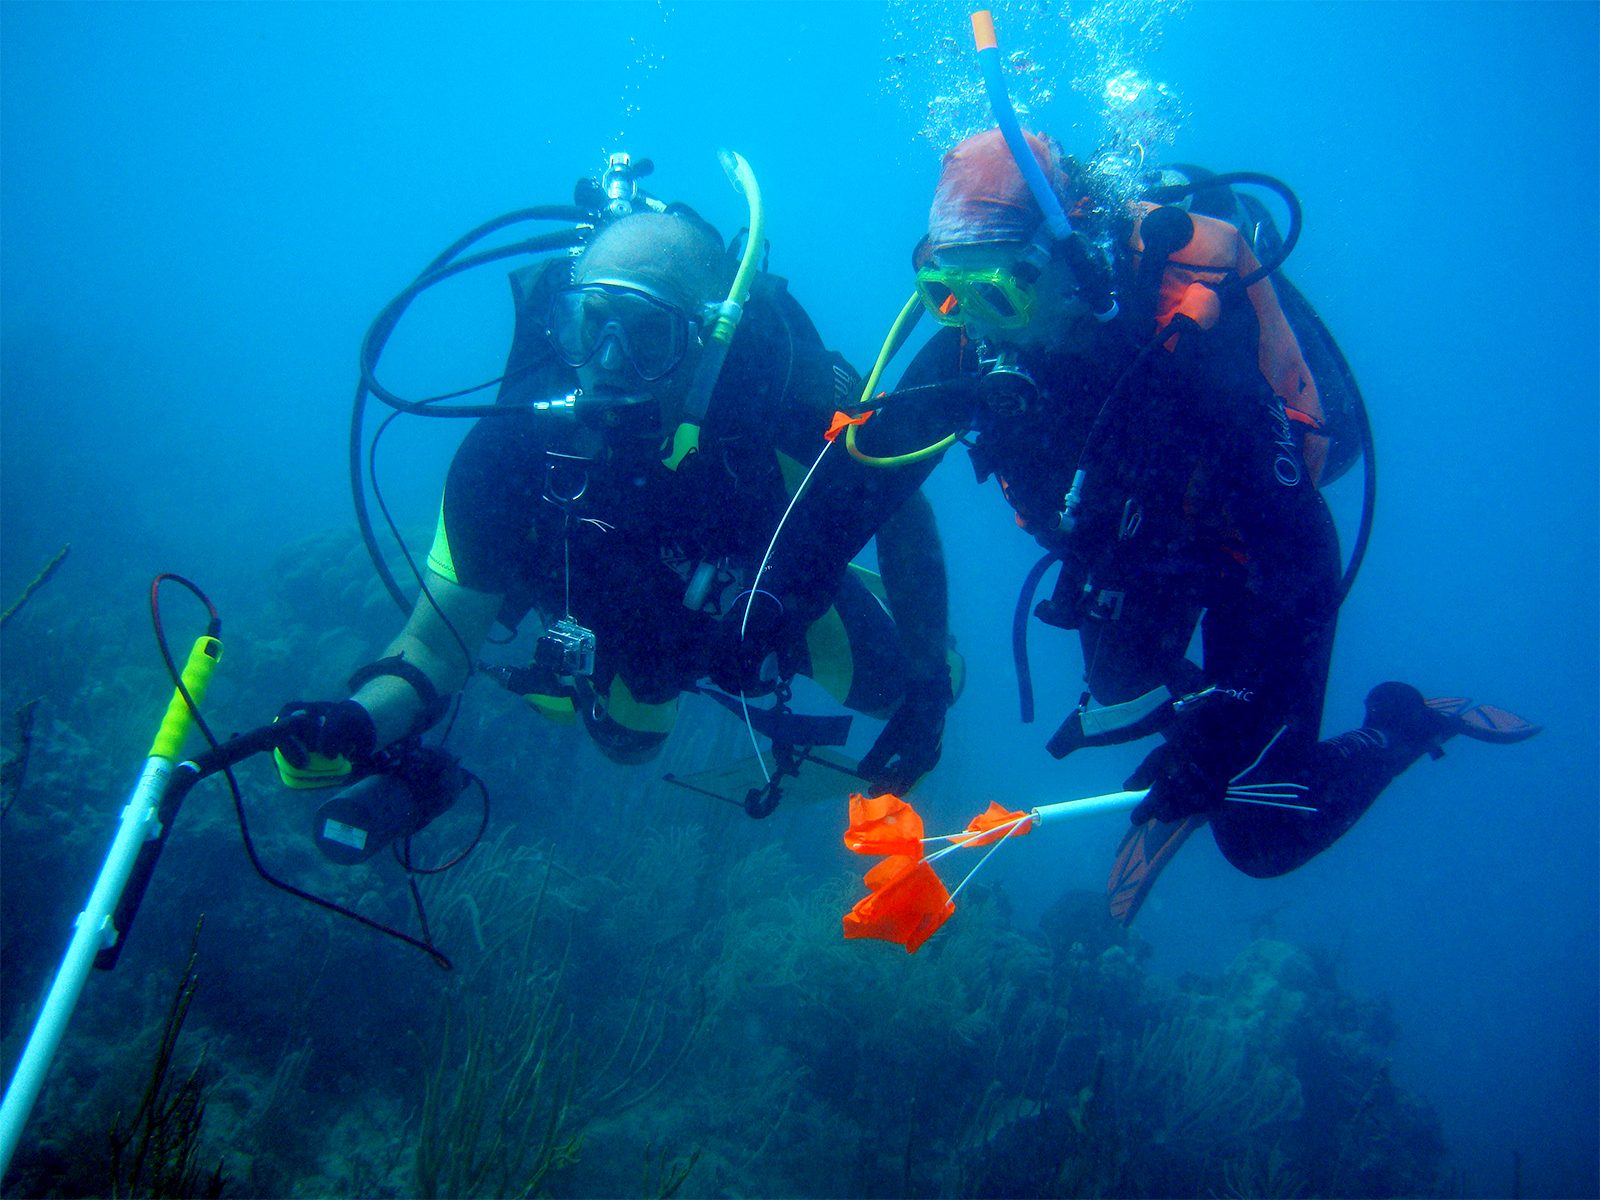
(319, 772)
(873, 582)
(794, 473)
(898, 460)
(744, 179)
(684, 439)
(633, 714)
(833, 666)
(958, 673)
(967, 289)
(910, 314)
(440, 561)
(559, 709)
(175, 726)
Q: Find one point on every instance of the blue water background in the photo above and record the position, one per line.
(201, 207)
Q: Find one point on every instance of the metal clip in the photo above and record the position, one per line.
(1132, 518)
(1108, 599)
(1193, 699)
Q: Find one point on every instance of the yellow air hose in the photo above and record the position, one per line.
(898, 332)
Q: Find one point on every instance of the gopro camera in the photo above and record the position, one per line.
(566, 649)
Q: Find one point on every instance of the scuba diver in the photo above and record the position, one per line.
(639, 486)
(1143, 399)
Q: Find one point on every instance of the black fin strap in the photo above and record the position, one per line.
(434, 705)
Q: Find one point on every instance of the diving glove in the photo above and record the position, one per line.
(318, 741)
(748, 656)
(910, 744)
(1180, 786)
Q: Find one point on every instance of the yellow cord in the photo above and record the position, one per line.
(909, 315)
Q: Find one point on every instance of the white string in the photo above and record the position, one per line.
(765, 558)
(1271, 804)
(981, 861)
(1260, 756)
(750, 725)
(968, 835)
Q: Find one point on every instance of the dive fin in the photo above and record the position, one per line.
(1484, 722)
(1144, 852)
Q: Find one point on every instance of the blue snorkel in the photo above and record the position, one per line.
(1092, 283)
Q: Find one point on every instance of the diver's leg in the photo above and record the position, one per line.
(1342, 777)
(854, 650)
(1134, 642)
(627, 730)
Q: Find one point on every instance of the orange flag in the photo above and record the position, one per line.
(841, 420)
(883, 825)
(995, 816)
(908, 903)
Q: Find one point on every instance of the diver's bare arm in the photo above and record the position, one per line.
(427, 644)
(911, 561)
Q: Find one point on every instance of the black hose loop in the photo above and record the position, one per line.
(1171, 193)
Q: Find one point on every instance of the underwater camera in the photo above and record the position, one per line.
(566, 649)
(409, 789)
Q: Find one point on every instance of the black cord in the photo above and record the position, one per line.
(233, 784)
(1171, 193)
(411, 868)
(383, 325)
(1019, 633)
(372, 474)
(1369, 501)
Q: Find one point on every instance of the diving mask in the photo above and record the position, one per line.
(995, 296)
(653, 334)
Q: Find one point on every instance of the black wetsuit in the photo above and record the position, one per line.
(1196, 501)
(531, 494)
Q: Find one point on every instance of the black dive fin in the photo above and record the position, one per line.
(1483, 722)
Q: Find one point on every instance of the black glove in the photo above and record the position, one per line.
(333, 730)
(749, 656)
(909, 746)
(1181, 784)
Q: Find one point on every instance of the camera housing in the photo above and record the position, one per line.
(566, 649)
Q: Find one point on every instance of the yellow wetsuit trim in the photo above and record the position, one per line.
(794, 472)
(633, 714)
(440, 561)
(832, 664)
(559, 709)
(873, 582)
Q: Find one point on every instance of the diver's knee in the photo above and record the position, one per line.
(627, 747)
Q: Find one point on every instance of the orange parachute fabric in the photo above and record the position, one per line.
(883, 825)
(908, 903)
(994, 817)
(843, 420)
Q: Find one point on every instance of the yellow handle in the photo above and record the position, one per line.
(176, 724)
(320, 771)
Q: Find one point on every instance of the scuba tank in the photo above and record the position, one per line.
(1344, 413)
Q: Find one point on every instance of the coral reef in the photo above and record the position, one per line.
(651, 993)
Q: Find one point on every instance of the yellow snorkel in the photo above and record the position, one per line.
(898, 333)
(729, 313)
